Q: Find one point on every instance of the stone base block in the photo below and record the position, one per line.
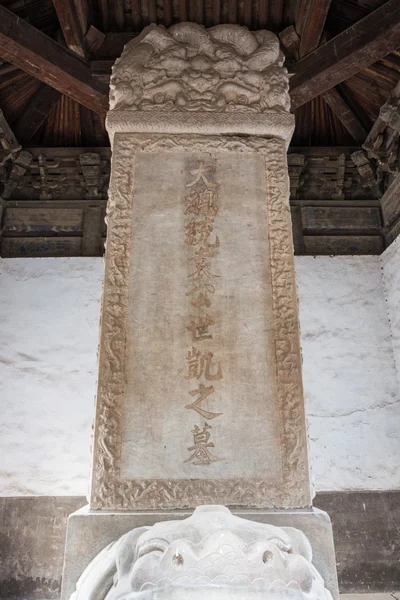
(88, 532)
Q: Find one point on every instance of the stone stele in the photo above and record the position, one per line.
(200, 398)
(200, 395)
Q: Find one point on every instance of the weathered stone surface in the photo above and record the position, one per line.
(89, 533)
(188, 68)
(175, 428)
(224, 80)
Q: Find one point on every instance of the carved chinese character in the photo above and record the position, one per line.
(202, 174)
(203, 393)
(200, 363)
(201, 203)
(200, 231)
(201, 455)
(199, 328)
(202, 264)
(202, 299)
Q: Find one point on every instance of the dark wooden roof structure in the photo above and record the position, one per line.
(344, 61)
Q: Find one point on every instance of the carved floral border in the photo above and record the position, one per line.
(109, 491)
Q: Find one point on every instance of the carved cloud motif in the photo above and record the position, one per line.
(192, 69)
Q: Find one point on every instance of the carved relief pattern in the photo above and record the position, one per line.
(286, 324)
(107, 441)
(189, 68)
(109, 491)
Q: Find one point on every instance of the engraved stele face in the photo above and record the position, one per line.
(214, 555)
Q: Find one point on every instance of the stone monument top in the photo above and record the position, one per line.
(188, 68)
(197, 74)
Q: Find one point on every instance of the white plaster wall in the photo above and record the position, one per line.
(49, 311)
(350, 382)
(390, 260)
(49, 314)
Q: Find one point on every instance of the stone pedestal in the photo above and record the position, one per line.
(89, 532)
(200, 396)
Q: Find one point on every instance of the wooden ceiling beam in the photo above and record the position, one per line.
(310, 23)
(36, 113)
(344, 113)
(93, 39)
(72, 24)
(84, 14)
(362, 44)
(35, 53)
(338, 104)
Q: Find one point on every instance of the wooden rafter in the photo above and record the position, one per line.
(40, 56)
(358, 47)
(84, 14)
(119, 14)
(167, 12)
(93, 39)
(310, 23)
(151, 11)
(136, 14)
(344, 113)
(36, 113)
(72, 24)
(291, 41)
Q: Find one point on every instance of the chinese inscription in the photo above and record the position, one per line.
(201, 208)
(201, 444)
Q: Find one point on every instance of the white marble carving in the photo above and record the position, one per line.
(212, 554)
(189, 68)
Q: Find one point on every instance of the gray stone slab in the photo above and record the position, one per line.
(89, 532)
(32, 538)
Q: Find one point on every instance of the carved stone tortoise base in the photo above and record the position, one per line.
(298, 560)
